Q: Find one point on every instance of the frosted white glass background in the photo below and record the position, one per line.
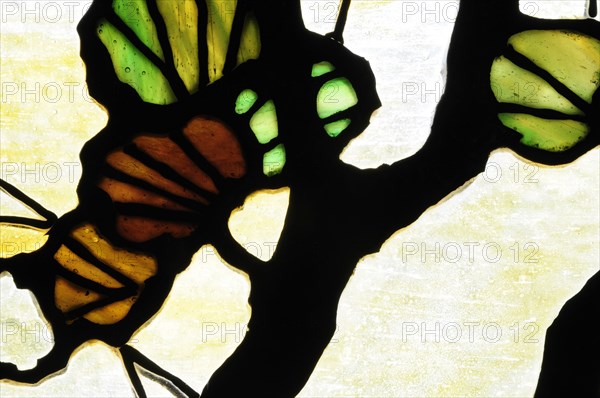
(456, 304)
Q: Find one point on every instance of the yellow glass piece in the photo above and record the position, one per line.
(250, 41)
(181, 19)
(111, 313)
(134, 68)
(244, 101)
(321, 68)
(71, 261)
(136, 266)
(572, 58)
(274, 161)
(515, 85)
(220, 19)
(335, 96)
(264, 123)
(334, 129)
(547, 134)
(69, 296)
(135, 14)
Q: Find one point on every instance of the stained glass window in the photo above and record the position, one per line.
(265, 166)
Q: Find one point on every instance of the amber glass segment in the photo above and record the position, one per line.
(217, 144)
(96, 275)
(164, 150)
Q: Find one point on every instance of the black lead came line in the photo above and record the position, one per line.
(203, 78)
(166, 171)
(121, 176)
(157, 213)
(200, 161)
(235, 36)
(85, 254)
(505, 107)
(132, 356)
(113, 296)
(593, 8)
(89, 284)
(173, 77)
(523, 62)
(50, 217)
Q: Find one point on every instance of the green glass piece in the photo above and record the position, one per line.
(572, 58)
(334, 96)
(250, 41)
(244, 101)
(274, 161)
(220, 20)
(513, 84)
(134, 13)
(547, 134)
(133, 68)
(334, 129)
(321, 68)
(264, 123)
(181, 20)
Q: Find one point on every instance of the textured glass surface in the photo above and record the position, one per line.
(573, 58)
(551, 135)
(456, 304)
(335, 96)
(264, 123)
(512, 84)
(134, 68)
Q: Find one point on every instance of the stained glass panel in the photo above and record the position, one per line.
(456, 303)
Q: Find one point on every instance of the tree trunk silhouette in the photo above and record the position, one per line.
(339, 214)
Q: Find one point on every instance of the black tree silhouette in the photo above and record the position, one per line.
(337, 213)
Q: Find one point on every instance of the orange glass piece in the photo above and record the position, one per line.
(127, 193)
(217, 144)
(134, 168)
(164, 150)
(142, 229)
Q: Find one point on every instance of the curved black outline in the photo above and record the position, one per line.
(50, 217)
(337, 213)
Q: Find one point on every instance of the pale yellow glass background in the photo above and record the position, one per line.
(456, 304)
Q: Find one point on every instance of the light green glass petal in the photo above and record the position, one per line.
(572, 58)
(244, 101)
(546, 134)
(321, 68)
(250, 41)
(264, 123)
(135, 15)
(515, 85)
(274, 161)
(181, 19)
(220, 19)
(334, 129)
(334, 96)
(133, 68)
